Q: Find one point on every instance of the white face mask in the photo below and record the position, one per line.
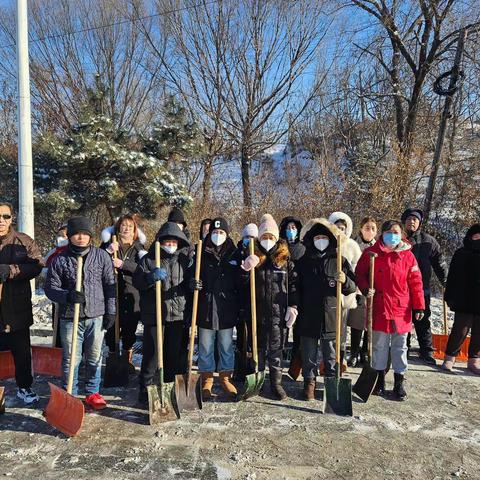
(61, 241)
(169, 248)
(268, 244)
(321, 244)
(218, 239)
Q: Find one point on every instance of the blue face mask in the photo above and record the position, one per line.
(291, 234)
(391, 240)
(246, 241)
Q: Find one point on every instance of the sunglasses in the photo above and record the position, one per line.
(5, 216)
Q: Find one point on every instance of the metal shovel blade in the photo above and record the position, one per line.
(7, 367)
(2, 400)
(47, 361)
(253, 385)
(338, 396)
(188, 392)
(366, 383)
(161, 403)
(117, 370)
(64, 411)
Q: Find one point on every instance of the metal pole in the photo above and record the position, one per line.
(25, 169)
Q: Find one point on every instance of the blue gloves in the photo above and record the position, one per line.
(158, 274)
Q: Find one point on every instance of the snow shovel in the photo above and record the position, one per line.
(187, 387)
(254, 381)
(338, 390)
(368, 378)
(161, 397)
(117, 368)
(48, 360)
(64, 411)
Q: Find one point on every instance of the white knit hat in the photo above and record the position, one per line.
(250, 230)
(268, 225)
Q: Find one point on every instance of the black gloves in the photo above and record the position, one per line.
(108, 321)
(418, 315)
(4, 272)
(75, 297)
(195, 284)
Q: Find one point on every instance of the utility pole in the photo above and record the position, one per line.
(25, 168)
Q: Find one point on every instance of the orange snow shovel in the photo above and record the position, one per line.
(187, 387)
(338, 390)
(64, 411)
(368, 378)
(439, 341)
(161, 397)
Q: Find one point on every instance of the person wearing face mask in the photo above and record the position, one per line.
(429, 256)
(357, 316)
(397, 297)
(351, 251)
(20, 262)
(97, 305)
(218, 308)
(276, 310)
(462, 295)
(316, 293)
(175, 273)
(130, 248)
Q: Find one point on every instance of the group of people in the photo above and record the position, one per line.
(295, 268)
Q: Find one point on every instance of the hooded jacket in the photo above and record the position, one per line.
(462, 292)
(398, 286)
(350, 250)
(296, 248)
(315, 287)
(175, 289)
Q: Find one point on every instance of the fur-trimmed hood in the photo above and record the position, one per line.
(279, 254)
(109, 231)
(335, 216)
(331, 230)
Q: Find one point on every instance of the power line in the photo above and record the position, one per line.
(113, 24)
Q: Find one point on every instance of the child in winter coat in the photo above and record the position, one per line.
(316, 282)
(397, 292)
(175, 274)
(357, 316)
(96, 299)
(130, 249)
(275, 308)
(463, 297)
(218, 307)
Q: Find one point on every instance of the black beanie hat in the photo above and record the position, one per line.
(220, 223)
(79, 224)
(412, 212)
(176, 216)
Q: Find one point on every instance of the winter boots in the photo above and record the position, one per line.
(380, 385)
(448, 363)
(276, 385)
(398, 388)
(227, 386)
(474, 365)
(309, 389)
(207, 385)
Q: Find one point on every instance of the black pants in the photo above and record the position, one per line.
(18, 342)
(128, 326)
(356, 339)
(423, 330)
(175, 341)
(463, 323)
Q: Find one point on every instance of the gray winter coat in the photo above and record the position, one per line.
(98, 283)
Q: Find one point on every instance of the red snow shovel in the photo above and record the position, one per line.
(338, 390)
(64, 411)
(368, 378)
(187, 387)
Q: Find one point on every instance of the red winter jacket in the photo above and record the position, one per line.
(398, 286)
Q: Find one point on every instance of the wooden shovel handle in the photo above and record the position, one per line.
(158, 310)
(445, 313)
(76, 318)
(338, 329)
(253, 302)
(371, 284)
(198, 264)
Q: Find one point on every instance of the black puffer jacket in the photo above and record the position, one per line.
(463, 284)
(315, 287)
(274, 282)
(218, 302)
(296, 248)
(176, 294)
(428, 254)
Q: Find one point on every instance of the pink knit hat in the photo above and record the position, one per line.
(268, 225)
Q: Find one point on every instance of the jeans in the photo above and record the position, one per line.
(18, 342)
(90, 340)
(206, 348)
(463, 323)
(383, 342)
(309, 348)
